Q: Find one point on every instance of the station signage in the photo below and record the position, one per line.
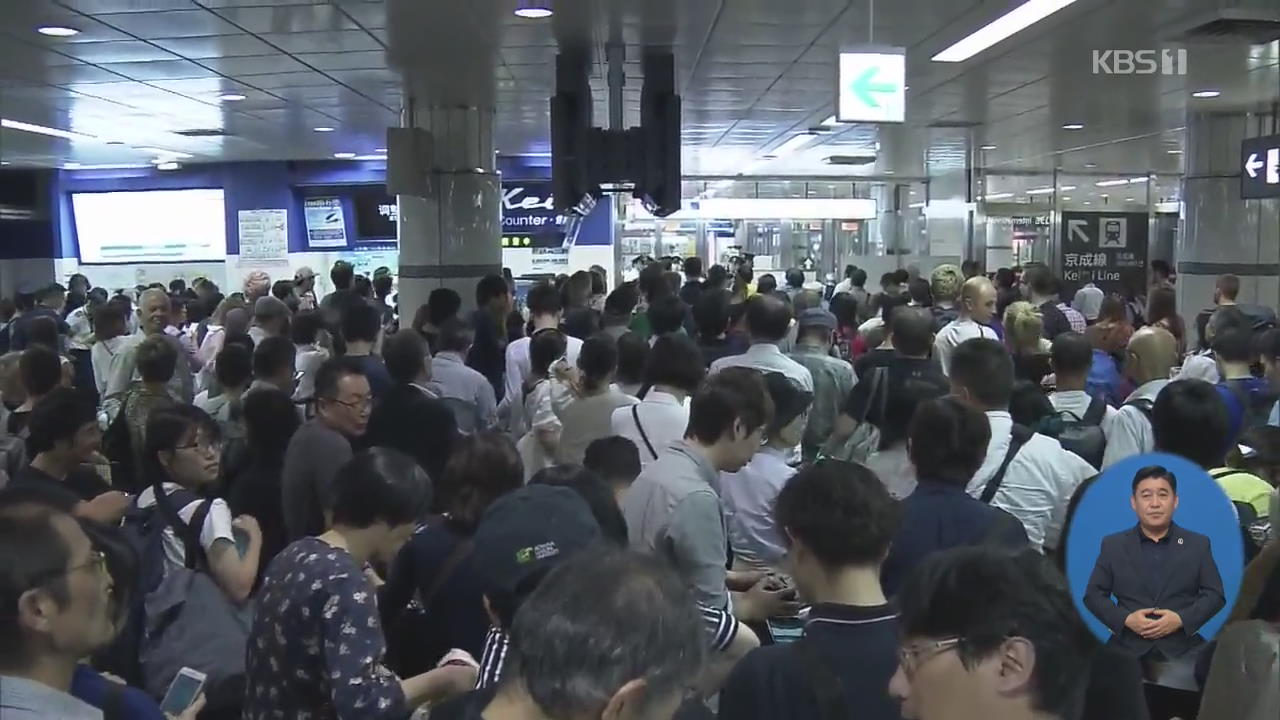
(1106, 249)
(1260, 167)
(872, 86)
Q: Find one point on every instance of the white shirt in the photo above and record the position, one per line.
(217, 524)
(1088, 301)
(80, 335)
(956, 332)
(451, 378)
(663, 417)
(112, 372)
(307, 361)
(518, 369)
(540, 408)
(1129, 431)
(1038, 483)
(748, 497)
(766, 357)
(1077, 403)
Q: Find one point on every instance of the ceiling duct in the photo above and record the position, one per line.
(1256, 26)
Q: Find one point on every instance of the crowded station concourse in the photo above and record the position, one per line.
(353, 367)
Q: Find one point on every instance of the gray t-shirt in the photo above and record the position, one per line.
(315, 454)
(588, 419)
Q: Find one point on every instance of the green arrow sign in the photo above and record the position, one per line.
(864, 86)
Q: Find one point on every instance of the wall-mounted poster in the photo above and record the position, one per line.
(326, 225)
(264, 235)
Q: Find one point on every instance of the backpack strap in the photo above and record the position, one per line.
(1097, 411)
(113, 700)
(635, 415)
(833, 704)
(1223, 472)
(1143, 406)
(1018, 436)
(188, 533)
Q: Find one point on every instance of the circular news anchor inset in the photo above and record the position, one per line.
(1155, 556)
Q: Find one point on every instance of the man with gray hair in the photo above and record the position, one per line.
(154, 313)
(564, 662)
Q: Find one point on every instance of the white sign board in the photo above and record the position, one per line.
(326, 224)
(264, 235)
(872, 86)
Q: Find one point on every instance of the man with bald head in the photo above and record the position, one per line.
(976, 307)
(1152, 353)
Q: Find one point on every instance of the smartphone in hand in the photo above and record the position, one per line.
(183, 691)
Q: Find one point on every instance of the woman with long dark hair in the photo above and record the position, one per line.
(1162, 311)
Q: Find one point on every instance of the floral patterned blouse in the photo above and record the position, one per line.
(316, 649)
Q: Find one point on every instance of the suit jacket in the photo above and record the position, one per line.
(1190, 586)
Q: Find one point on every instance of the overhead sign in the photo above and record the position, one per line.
(1260, 167)
(872, 86)
(1106, 249)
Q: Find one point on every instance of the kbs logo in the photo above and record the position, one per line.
(1140, 62)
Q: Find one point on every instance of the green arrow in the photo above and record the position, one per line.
(863, 86)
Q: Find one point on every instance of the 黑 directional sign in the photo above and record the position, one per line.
(872, 86)
(1260, 167)
(1106, 249)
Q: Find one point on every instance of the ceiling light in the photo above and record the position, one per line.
(71, 166)
(888, 172)
(1111, 183)
(344, 155)
(231, 97)
(534, 9)
(168, 166)
(987, 147)
(42, 130)
(794, 143)
(997, 196)
(1129, 200)
(1073, 126)
(1135, 181)
(916, 206)
(59, 31)
(1086, 202)
(1016, 20)
(381, 150)
(1206, 94)
(323, 128)
(1174, 152)
(166, 153)
(1091, 165)
(1066, 199)
(1049, 190)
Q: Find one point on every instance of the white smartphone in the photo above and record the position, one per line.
(184, 689)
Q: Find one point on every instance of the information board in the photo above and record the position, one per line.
(264, 235)
(1106, 249)
(326, 224)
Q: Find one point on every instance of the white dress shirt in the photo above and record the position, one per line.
(80, 332)
(112, 372)
(766, 357)
(956, 332)
(748, 497)
(1129, 431)
(663, 417)
(1077, 403)
(451, 378)
(307, 361)
(518, 369)
(1038, 483)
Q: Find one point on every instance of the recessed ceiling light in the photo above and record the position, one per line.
(384, 150)
(231, 97)
(1091, 165)
(344, 155)
(4, 162)
(168, 166)
(888, 172)
(534, 9)
(57, 31)
(1206, 93)
(1174, 152)
(323, 128)
(1129, 200)
(1086, 202)
(987, 147)
(1073, 126)
(1065, 199)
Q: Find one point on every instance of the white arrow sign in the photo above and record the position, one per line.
(1076, 229)
(1254, 165)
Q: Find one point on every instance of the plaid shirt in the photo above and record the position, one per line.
(1078, 323)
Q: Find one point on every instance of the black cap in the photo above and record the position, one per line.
(528, 532)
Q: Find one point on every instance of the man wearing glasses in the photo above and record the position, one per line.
(54, 610)
(343, 404)
(987, 635)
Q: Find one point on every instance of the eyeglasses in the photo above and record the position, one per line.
(360, 405)
(912, 656)
(97, 562)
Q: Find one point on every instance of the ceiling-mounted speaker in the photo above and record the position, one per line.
(409, 162)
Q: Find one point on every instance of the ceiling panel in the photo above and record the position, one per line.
(218, 46)
(288, 18)
(116, 52)
(173, 24)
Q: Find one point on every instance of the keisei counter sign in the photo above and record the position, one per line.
(1260, 167)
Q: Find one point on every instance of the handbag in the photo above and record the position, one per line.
(865, 440)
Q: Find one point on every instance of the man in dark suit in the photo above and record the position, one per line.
(1163, 577)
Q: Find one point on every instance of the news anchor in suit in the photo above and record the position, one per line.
(1162, 576)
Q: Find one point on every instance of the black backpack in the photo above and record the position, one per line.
(1083, 435)
(1256, 405)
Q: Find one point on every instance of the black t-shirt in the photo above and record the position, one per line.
(257, 491)
(1055, 321)
(911, 381)
(858, 644)
(1031, 366)
(62, 494)
(880, 357)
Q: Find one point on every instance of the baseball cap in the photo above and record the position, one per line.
(270, 307)
(817, 317)
(528, 532)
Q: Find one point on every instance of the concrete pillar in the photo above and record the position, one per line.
(1220, 232)
(451, 238)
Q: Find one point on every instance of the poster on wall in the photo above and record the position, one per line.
(264, 235)
(326, 225)
(550, 260)
(1106, 249)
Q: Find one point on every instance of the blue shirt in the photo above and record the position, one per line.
(376, 371)
(114, 699)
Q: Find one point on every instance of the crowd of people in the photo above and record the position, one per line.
(699, 493)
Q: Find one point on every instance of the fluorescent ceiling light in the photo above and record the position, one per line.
(1206, 94)
(1086, 202)
(168, 166)
(1073, 126)
(344, 155)
(369, 157)
(323, 128)
(60, 31)
(167, 153)
(997, 196)
(1137, 180)
(534, 10)
(72, 166)
(1014, 21)
(1129, 200)
(916, 206)
(42, 130)
(1111, 183)
(231, 97)
(987, 147)
(1174, 152)
(792, 144)
(1091, 165)
(1064, 199)
(381, 150)
(1049, 190)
